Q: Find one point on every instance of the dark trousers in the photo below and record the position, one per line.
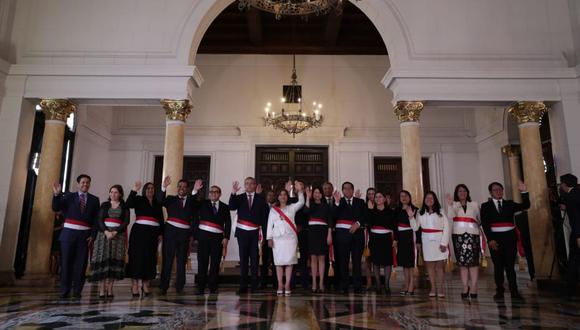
(573, 265)
(248, 247)
(74, 253)
(349, 246)
(175, 245)
(209, 253)
(504, 259)
(267, 264)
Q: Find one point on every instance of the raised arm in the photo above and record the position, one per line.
(525, 204)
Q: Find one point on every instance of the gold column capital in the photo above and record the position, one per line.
(176, 109)
(527, 111)
(57, 109)
(408, 111)
(511, 150)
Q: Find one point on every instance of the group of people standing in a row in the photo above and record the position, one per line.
(289, 227)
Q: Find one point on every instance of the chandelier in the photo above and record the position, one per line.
(292, 119)
(293, 7)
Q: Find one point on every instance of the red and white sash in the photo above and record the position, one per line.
(247, 225)
(148, 221)
(113, 222)
(179, 223)
(75, 224)
(344, 224)
(316, 222)
(211, 227)
(285, 218)
(403, 227)
(380, 230)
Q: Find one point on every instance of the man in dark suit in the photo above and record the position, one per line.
(251, 208)
(497, 220)
(80, 210)
(350, 216)
(177, 236)
(212, 231)
(569, 184)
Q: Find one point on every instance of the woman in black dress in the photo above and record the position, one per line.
(370, 200)
(145, 237)
(319, 235)
(382, 226)
(406, 246)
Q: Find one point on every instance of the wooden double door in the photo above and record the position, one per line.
(276, 165)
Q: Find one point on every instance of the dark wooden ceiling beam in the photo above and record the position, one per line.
(332, 29)
(254, 19)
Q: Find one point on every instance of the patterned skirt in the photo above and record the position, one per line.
(108, 257)
(467, 249)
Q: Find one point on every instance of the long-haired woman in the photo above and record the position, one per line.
(108, 258)
(407, 243)
(146, 234)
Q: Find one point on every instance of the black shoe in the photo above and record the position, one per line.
(213, 291)
(387, 291)
(242, 291)
(358, 291)
(65, 295)
(179, 291)
(473, 296)
(163, 292)
(77, 295)
(199, 292)
(498, 296)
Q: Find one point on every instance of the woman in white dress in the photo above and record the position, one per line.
(282, 235)
(465, 237)
(435, 232)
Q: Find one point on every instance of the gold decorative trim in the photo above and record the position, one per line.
(511, 150)
(408, 111)
(527, 111)
(57, 109)
(176, 109)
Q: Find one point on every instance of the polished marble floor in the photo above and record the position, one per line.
(33, 308)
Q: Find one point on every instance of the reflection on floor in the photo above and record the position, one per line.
(22, 308)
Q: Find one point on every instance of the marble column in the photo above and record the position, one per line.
(528, 115)
(513, 154)
(408, 114)
(176, 112)
(56, 112)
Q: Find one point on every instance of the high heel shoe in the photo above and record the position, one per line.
(473, 296)
(145, 293)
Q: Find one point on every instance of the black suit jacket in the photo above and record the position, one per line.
(222, 218)
(490, 215)
(174, 209)
(355, 212)
(257, 215)
(69, 205)
(572, 200)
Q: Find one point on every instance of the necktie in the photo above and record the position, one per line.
(349, 201)
(499, 206)
(82, 202)
(250, 201)
(215, 211)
